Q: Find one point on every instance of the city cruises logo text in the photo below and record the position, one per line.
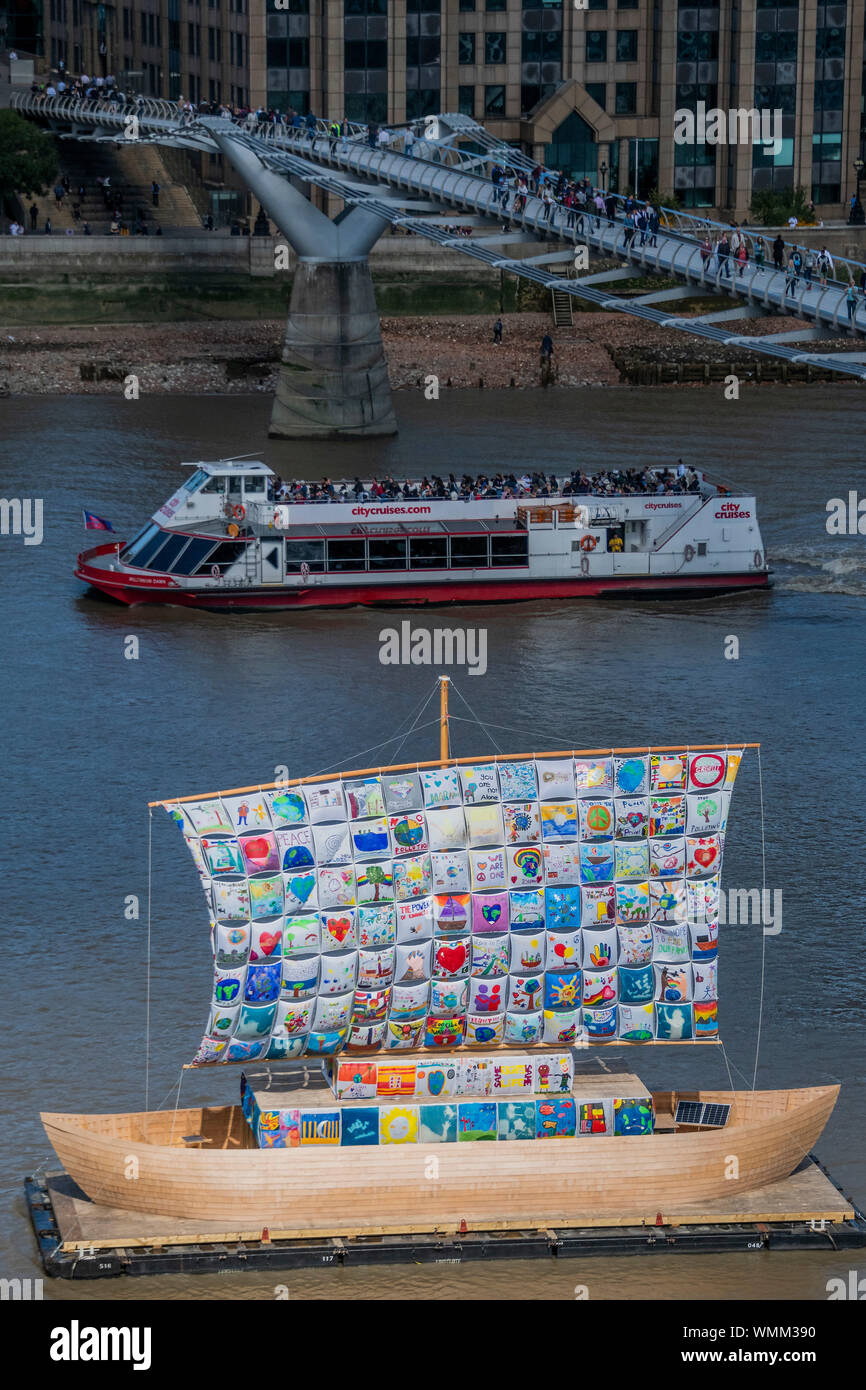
(740, 126)
(391, 511)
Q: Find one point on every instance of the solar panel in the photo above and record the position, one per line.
(695, 1112)
(715, 1116)
(689, 1112)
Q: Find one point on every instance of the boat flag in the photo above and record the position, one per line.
(92, 522)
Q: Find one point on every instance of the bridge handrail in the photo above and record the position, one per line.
(158, 109)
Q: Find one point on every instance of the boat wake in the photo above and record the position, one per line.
(825, 574)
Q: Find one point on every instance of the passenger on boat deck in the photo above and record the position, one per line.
(613, 482)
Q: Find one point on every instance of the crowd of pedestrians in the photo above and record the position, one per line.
(612, 482)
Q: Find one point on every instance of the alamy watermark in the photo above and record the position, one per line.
(23, 1290)
(846, 517)
(436, 646)
(737, 126)
(22, 516)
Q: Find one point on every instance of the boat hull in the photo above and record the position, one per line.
(141, 1163)
(415, 595)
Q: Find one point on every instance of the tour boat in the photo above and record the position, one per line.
(411, 964)
(220, 543)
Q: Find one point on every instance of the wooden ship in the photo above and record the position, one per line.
(407, 962)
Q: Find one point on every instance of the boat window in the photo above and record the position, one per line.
(255, 486)
(235, 481)
(346, 555)
(388, 555)
(509, 550)
(469, 552)
(168, 553)
(702, 547)
(198, 548)
(217, 484)
(130, 551)
(299, 553)
(192, 483)
(150, 547)
(428, 552)
(224, 556)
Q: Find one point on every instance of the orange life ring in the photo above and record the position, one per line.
(239, 511)
(233, 530)
(589, 543)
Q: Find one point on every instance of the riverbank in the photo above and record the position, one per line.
(242, 356)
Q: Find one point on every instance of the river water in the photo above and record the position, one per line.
(217, 700)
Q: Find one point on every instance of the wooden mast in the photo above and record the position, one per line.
(443, 718)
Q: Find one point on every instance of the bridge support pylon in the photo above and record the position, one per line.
(333, 381)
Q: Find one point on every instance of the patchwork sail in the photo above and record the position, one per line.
(527, 902)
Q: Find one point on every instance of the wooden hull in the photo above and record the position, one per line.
(140, 1162)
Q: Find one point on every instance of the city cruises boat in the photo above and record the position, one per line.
(407, 963)
(220, 543)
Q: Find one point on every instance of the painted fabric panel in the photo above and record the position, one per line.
(523, 902)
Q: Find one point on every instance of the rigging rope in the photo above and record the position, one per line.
(416, 726)
(763, 931)
(483, 727)
(147, 983)
(376, 746)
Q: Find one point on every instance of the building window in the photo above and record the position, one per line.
(365, 60)
(422, 102)
(626, 98)
(596, 46)
(494, 48)
(598, 92)
(574, 149)
(494, 100)
(495, 4)
(626, 45)
(467, 6)
(829, 118)
(466, 48)
(466, 101)
(422, 51)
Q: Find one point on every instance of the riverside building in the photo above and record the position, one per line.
(594, 89)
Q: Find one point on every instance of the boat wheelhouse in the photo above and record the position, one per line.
(222, 541)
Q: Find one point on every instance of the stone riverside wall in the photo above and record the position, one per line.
(37, 255)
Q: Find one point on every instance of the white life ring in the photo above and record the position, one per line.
(214, 571)
(584, 564)
(689, 553)
(305, 571)
(758, 559)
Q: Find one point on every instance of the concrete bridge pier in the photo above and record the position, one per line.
(333, 381)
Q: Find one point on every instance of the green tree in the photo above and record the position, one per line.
(375, 875)
(771, 207)
(28, 159)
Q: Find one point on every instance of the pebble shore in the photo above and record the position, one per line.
(243, 356)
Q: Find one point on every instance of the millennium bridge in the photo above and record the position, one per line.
(333, 379)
